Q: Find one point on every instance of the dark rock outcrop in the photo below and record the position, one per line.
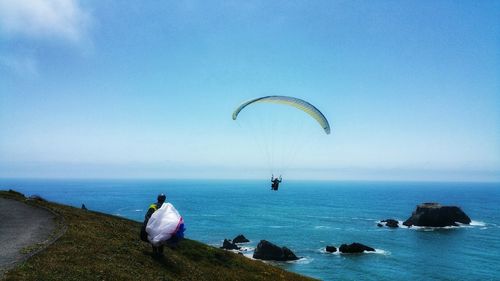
(380, 225)
(435, 215)
(355, 248)
(331, 249)
(37, 197)
(240, 239)
(229, 245)
(268, 251)
(16, 193)
(391, 223)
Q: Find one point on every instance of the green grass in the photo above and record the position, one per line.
(98, 246)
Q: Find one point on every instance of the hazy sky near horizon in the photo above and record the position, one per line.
(146, 89)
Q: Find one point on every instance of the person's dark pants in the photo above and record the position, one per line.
(158, 251)
(171, 243)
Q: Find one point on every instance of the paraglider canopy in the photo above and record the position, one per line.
(282, 133)
(291, 101)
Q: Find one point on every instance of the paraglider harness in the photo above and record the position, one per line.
(275, 183)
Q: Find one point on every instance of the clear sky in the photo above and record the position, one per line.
(145, 89)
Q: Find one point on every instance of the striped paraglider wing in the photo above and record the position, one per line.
(303, 105)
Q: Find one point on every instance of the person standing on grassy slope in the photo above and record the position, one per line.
(162, 225)
(152, 208)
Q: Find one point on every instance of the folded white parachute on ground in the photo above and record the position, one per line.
(163, 224)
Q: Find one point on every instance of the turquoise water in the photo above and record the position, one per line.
(307, 216)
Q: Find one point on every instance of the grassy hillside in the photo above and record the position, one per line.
(98, 246)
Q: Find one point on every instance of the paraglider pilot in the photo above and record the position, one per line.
(162, 214)
(157, 251)
(275, 182)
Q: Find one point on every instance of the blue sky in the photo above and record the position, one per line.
(127, 89)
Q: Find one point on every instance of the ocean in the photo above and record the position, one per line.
(306, 216)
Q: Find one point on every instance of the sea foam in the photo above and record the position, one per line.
(337, 253)
(477, 223)
(431, 228)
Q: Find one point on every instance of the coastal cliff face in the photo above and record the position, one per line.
(436, 215)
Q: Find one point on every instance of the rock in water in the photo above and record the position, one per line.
(391, 223)
(435, 215)
(268, 251)
(355, 248)
(240, 239)
(229, 245)
(331, 249)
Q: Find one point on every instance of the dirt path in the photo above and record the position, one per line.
(21, 226)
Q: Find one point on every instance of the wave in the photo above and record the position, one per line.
(473, 224)
(322, 227)
(246, 249)
(477, 223)
(380, 252)
(302, 260)
(363, 219)
(243, 249)
(209, 215)
(278, 226)
(433, 228)
(338, 253)
(319, 217)
(248, 255)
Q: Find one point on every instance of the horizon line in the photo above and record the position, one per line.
(245, 179)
